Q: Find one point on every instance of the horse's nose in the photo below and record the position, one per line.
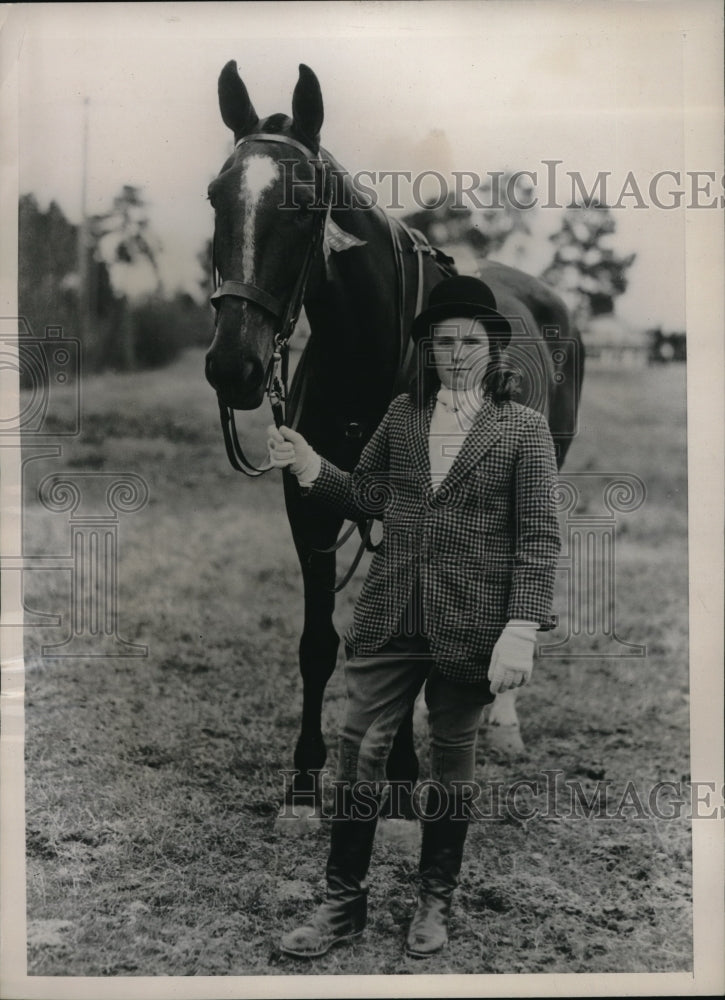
(234, 378)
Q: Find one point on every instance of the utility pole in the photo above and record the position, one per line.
(84, 292)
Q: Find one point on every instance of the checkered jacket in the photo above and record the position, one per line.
(482, 547)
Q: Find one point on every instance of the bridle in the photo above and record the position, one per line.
(286, 315)
(276, 379)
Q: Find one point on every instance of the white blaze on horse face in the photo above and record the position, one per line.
(259, 174)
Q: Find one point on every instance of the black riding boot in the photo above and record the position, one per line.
(440, 862)
(343, 914)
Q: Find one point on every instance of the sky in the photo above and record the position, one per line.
(466, 86)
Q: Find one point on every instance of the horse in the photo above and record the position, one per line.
(291, 229)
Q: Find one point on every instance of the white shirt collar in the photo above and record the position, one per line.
(455, 400)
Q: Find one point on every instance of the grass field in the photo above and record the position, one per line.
(152, 783)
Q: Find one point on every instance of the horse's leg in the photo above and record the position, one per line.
(317, 657)
(313, 528)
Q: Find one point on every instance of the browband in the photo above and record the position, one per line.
(282, 139)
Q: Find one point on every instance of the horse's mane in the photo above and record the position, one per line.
(350, 197)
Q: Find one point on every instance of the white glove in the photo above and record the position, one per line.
(289, 448)
(512, 659)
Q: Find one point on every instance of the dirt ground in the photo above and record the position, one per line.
(153, 784)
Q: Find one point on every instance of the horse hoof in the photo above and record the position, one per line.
(298, 819)
(506, 738)
(401, 833)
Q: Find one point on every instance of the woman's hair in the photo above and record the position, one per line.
(499, 381)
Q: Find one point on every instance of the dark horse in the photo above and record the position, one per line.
(275, 198)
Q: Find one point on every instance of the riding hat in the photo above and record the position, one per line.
(463, 295)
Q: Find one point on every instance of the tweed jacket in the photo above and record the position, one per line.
(482, 547)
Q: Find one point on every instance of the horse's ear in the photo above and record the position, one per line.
(234, 104)
(307, 110)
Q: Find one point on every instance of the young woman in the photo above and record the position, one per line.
(462, 479)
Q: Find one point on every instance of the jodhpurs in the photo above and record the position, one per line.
(382, 687)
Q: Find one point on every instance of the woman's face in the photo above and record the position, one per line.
(461, 352)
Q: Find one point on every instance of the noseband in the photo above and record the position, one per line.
(285, 315)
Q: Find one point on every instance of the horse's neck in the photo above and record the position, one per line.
(353, 297)
(350, 208)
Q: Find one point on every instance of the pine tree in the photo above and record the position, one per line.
(123, 235)
(586, 270)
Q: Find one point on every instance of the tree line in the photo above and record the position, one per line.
(65, 279)
(66, 272)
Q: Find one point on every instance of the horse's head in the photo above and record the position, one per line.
(268, 218)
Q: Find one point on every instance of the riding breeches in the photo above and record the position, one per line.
(382, 687)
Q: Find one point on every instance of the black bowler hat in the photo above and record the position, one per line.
(463, 295)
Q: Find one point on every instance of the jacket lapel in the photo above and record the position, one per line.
(483, 434)
(417, 433)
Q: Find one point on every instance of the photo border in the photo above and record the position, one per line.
(703, 62)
